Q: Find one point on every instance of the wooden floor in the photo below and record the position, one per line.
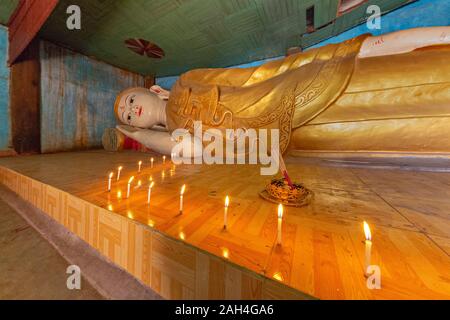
(323, 244)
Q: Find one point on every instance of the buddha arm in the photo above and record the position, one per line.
(404, 41)
(159, 141)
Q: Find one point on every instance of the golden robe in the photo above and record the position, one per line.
(327, 99)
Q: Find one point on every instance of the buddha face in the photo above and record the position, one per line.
(138, 107)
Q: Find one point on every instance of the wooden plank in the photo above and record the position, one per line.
(191, 256)
(25, 23)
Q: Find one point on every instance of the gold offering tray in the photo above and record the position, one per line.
(301, 202)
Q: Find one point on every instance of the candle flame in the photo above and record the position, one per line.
(151, 159)
(278, 276)
(183, 188)
(130, 215)
(367, 232)
(152, 184)
(139, 183)
(131, 180)
(120, 168)
(225, 253)
(151, 178)
(151, 223)
(280, 211)
(227, 201)
(111, 174)
(110, 207)
(119, 194)
(140, 162)
(182, 235)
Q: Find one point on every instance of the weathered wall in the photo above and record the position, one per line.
(422, 13)
(77, 98)
(5, 120)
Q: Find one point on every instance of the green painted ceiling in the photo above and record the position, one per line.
(198, 33)
(7, 8)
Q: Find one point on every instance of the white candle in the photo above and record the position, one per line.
(225, 212)
(109, 181)
(368, 250)
(129, 186)
(164, 159)
(280, 221)
(119, 169)
(151, 162)
(149, 194)
(139, 166)
(183, 188)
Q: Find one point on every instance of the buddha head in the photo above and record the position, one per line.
(140, 107)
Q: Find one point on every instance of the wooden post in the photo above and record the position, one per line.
(149, 81)
(25, 101)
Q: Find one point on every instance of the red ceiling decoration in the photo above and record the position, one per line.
(145, 48)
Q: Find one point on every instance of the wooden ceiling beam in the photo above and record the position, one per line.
(25, 23)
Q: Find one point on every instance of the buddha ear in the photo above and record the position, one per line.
(160, 92)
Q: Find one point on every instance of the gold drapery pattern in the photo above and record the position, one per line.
(283, 94)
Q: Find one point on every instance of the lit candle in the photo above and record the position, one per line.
(149, 194)
(368, 243)
(129, 186)
(139, 166)
(139, 184)
(280, 221)
(183, 188)
(225, 253)
(109, 181)
(151, 162)
(225, 212)
(119, 169)
(164, 159)
(119, 194)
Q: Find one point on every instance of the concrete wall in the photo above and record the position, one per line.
(422, 13)
(5, 120)
(77, 98)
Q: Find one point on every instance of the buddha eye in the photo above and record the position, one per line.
(131, 100)
(129, 117)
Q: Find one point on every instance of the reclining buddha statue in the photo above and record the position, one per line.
(387, 93)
